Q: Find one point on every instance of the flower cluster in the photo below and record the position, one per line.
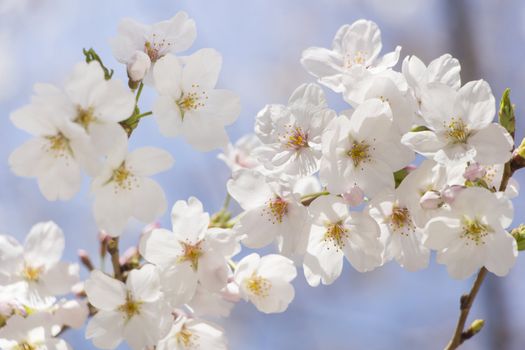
(415, 165)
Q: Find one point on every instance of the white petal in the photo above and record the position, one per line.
(224, 105)
(44, 245)
(478, 103)
(440, 232)
(104, 292)
(202, 68)
(144, 283)
(105, 329)
(501, 253)
(249, 189)
(493, 145)
(160, 247)
(189, 219)
(167, 73)
(168, 116)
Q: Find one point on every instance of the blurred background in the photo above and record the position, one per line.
(261, 42)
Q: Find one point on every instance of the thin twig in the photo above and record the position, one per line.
(466, 302)
(115, 259)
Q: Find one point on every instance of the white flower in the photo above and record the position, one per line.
(211, 303)
(193, 334)
(337, 233)
(399, 233)
(32, 332)
(402, 105)
(472, 234)
(123, 188)
(461, 126)
(189, 105)
(134, 312)
(291, 135)
(444, 69)
(272, 212)
(363, 150)
(35, 270)
(240, 155)
(428, 179)
(60, 149)
(97, 104)
(191, 253)
(156, 41)
(355, 52)
(266, 281)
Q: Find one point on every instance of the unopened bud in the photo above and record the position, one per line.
(130, 254)
(474, 172)
(450, 193)
(85, 259)
(430, 200)
(354, 197)
(506, 115)
(138, 66)
(519, 235)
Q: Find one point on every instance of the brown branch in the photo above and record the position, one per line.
(466, 302)
(115, 259)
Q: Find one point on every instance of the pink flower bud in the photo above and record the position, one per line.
(138, 66)
(128, 255)
(450, 193)
(474, 172)
(354, 197)
(430, 200)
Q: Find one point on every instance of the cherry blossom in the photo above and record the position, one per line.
(266, 281)
(188, 103)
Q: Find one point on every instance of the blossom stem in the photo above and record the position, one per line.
(467, 300)
(139, 92)
(145, 114)
(307, 199)
(115, 259)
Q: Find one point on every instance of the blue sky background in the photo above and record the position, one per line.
(261, 42)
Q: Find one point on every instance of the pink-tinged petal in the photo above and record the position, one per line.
(493, 145)
(104, 292)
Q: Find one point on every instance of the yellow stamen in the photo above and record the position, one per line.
(191, 253)
(32, 274)
(277, 209)
(457, 131)
(258, 286)
(185, 337)
(474, 230)
(297, 139)
(336, 234)
(359, 152)
(131, 307)
(85, 117)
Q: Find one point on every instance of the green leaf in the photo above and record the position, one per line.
(419, 128)
(400, 175)
(507, 118)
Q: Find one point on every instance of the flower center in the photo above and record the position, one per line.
(59, 145)
(123, 177)
(336, 234)
(185, 337)
(190, 101)
(191, 253)
(24, 346)
(277, 209)
(131, 307)
(357, 58)
(457, 130)
(297, 139)
(474, 230)
(31, 274)
(359, 152)
(85, 117)
(156, 49)
(400, 220)
(258, 286)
